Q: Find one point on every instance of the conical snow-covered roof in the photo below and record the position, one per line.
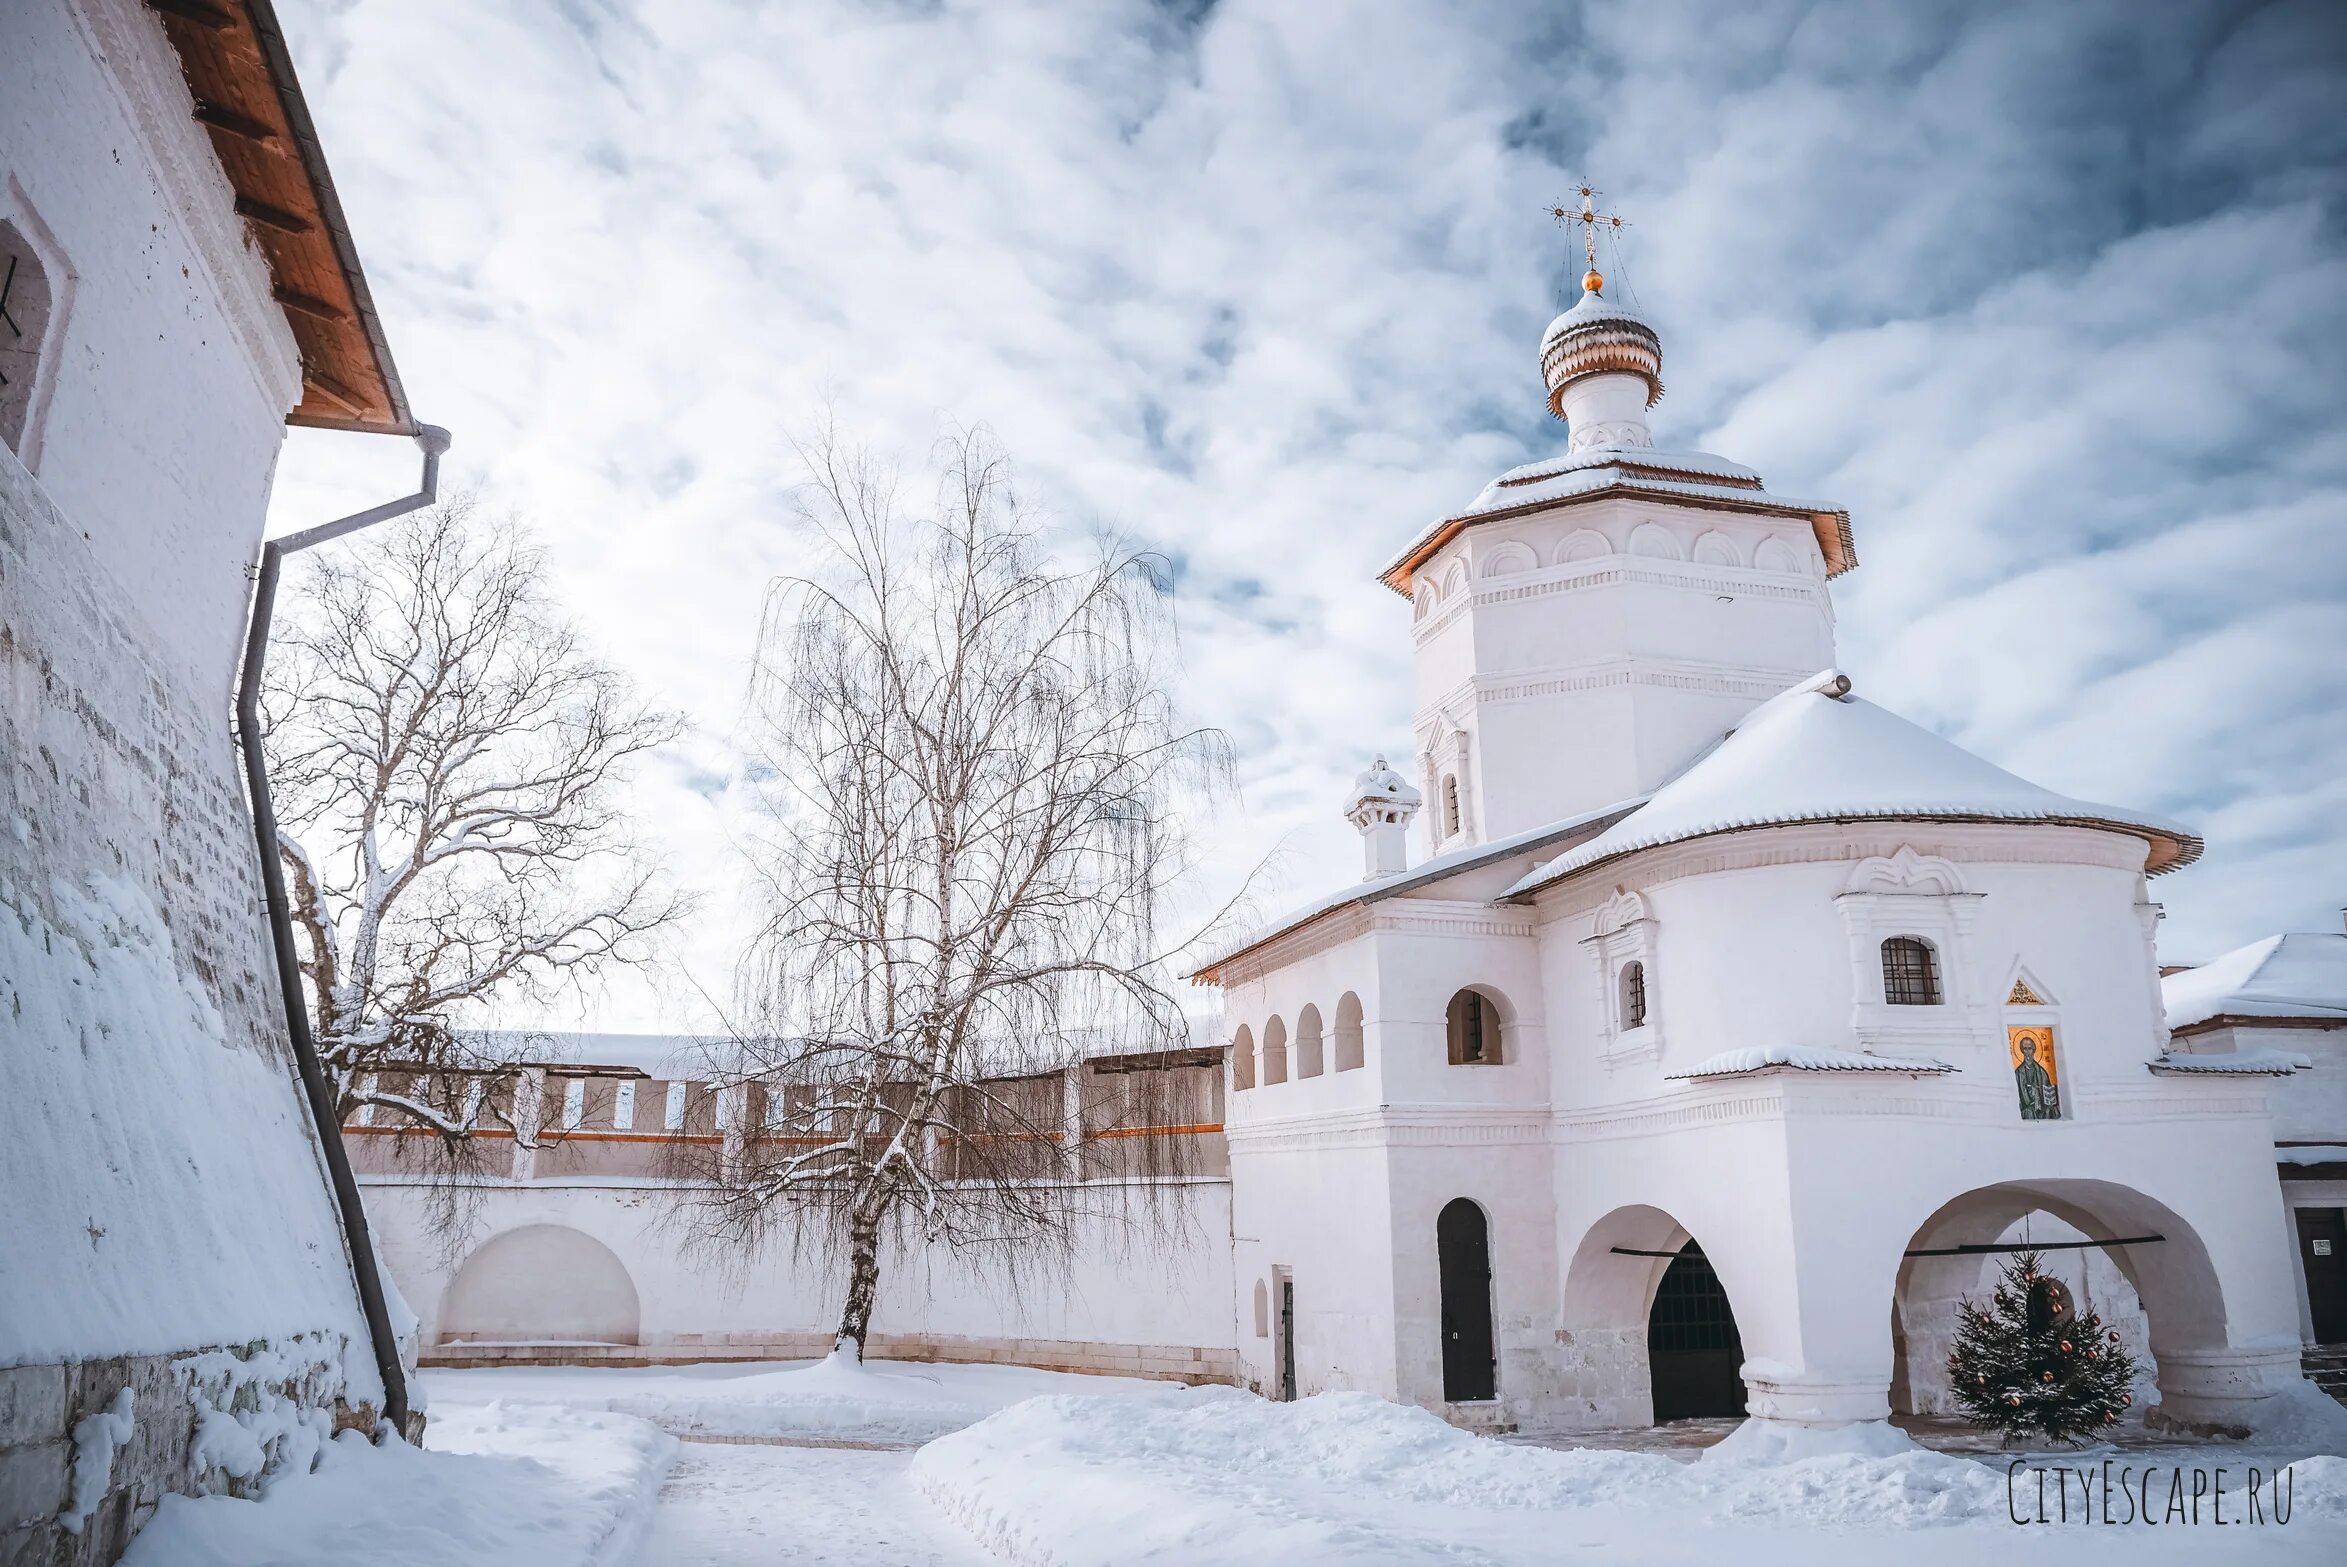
(1817, 754)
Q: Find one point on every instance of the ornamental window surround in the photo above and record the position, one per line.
(1909, 920)
(1623, 950)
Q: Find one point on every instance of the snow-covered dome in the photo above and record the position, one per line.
(1599, 337)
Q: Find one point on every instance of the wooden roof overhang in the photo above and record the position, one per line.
(240, 74)
(1832, 528)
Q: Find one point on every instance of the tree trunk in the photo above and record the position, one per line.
(855, 1319)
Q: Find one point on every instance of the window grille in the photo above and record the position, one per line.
(1910, 976)
(1634, 996)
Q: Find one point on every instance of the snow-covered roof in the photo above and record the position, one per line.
(1804, 1058)
(1634, 470)
(2235, 1063)
(684, 1056)
(1817, 754)
(1382, 887)
(1592, 309)
(2310, 1153)
(2301, 975)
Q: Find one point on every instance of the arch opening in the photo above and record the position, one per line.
(1275, 1052)
(1243, 1058)
(1471, 1029)
(1308, 1049)
(2161, 1296)
(542, 1283)
(1652, 1329)
(1350, 1054)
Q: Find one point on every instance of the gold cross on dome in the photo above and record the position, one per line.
(1591, 220)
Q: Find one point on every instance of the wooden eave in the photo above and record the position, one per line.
(240, 74)
(1832, 528)
(2253, 1020)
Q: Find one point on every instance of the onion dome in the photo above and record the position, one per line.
(1599, 337)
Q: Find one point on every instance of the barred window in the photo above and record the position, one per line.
(1633, 996)
(1910, 974)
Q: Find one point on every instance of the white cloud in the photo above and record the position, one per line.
(2050, 299)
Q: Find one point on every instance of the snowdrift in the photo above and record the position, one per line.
(1350, 1477)
(496, 1487)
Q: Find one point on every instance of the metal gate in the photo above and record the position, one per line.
(1692, 1346)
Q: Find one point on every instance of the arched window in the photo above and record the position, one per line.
(1348, 1033)
(1910, 972)
(1633, 1000)
(1308, 1051)
(24, 326)
(1472, 1025)
(1243, 1058)
(1275, 1052)
(1450, 805)
(1262, 1310)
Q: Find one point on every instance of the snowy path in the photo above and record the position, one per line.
(729, 1505)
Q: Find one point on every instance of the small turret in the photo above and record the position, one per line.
(1381, 805)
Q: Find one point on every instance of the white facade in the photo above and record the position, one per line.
(165, 1195)
(1682, 938)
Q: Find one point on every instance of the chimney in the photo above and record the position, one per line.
(1381, 805)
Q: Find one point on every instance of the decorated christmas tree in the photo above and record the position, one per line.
(2026, 1365)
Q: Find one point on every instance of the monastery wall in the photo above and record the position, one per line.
(588, 1272)
(167, 1243)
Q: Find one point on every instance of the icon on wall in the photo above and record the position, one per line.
(2035, 1074)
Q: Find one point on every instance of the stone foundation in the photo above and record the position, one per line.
(40, 1407)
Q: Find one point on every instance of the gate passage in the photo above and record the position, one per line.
(1692, 1345)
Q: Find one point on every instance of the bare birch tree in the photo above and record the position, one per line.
(973, 823)
(446, 759)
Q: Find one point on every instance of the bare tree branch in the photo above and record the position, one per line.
(972, 822)
(447, 761)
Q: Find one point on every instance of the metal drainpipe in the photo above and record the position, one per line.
(434, 441)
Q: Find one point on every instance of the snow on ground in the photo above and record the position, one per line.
(1348, 1477)
(879, 1401)
(735, 1506)
(493, 1487)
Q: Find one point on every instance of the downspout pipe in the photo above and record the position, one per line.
(315, 1088)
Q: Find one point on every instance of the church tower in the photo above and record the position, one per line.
(1592, 623)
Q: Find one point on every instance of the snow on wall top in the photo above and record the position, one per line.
(1805, 1058)
(2301, 974)
(2240, 1063)
(1806, 755)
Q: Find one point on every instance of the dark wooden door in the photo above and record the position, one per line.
(2322, 1247)
(1287, 1339)
(1693, 1350)
(1462, 1241)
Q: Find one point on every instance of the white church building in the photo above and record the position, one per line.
(1732, 1029)
(1730, 1008)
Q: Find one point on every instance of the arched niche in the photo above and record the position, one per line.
(542, 1283)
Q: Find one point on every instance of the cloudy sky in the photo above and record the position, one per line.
(2052, 298)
